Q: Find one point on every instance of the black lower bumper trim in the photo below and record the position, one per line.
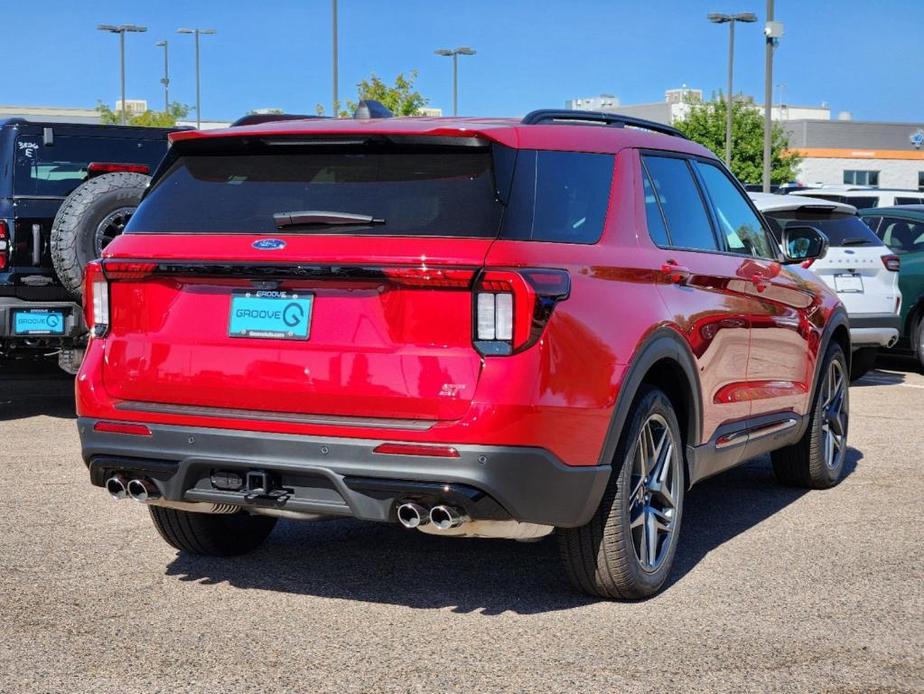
(876, 320)
(339, 476)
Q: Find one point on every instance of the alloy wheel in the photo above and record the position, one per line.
(834, 415)
(653, 501)
(111, 226)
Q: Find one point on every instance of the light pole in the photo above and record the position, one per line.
(336, 97)
(197, 33)
(165, 80)
(121, 30)
(773, 32)
(731, 20)
(455, 53)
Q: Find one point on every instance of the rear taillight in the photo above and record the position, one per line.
(4, 244)
(96, 299)
(96, 288)
(512, 307)
(892, 262)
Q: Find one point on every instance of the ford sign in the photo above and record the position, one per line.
(269, 244)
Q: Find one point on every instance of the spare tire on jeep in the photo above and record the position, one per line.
(90, 217)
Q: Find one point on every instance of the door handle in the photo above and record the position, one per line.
(678, 274)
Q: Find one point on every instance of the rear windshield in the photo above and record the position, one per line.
(840, 228)
(410, 190)
(56, 169)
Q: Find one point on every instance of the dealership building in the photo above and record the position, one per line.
(834, 150)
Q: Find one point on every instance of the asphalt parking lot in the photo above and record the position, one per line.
(774, 588)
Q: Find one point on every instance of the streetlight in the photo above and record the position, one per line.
(455, 53)
(731, 20)
(335, 102)
(121, 29)
(197, 33)
(165, 80)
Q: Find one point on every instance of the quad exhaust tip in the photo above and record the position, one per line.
(117, 487)
(412, 515)
(142, 490)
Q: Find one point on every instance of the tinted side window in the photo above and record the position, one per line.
(739, 225)
(872, 223)
(688, 225)
(902, 235)
(656, 229)
(862, 202)
(558, 196)
(908, 201)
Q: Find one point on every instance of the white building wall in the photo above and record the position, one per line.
(893, 173)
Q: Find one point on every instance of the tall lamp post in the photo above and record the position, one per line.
(197, 33)
(121, 30)
(731, 20)
(165, 80)
(773, 32)
(335, 101)
(455, 53)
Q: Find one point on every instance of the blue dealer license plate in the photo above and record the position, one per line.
(38, 321)
(271, 314)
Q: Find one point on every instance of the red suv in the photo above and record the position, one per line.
(481, 327)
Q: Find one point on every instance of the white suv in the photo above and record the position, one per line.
(863, 197)
(858, 266)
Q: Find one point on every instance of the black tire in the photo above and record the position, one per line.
(862, 361)
(216, 535)
(806, 464)
(74, 240)
(919, 349)
(603, 557)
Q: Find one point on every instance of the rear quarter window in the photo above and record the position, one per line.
(560, 197)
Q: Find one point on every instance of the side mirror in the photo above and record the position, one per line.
(802, 243)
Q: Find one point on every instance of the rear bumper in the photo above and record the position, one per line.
(339, 476)
(73, 327)
(874, 329)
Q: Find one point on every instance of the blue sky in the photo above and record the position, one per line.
(855, 55)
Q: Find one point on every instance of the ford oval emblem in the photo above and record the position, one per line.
(269, 244)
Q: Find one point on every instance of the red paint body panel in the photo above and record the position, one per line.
(404, 354)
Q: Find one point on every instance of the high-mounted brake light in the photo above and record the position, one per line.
(512, 307)
(4, 244)
(892, 262)
(96, 168)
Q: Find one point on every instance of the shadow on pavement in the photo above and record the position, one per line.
(30, 388)
(372, 562)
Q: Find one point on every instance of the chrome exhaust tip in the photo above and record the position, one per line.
(446, 517)
(412, 515)
(143, 490)
(116, 486)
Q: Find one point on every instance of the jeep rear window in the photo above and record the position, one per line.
(417, 191)
(486, 191)
(841, 229)
(56, 169)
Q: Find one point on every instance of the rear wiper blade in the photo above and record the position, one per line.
(854, 241)
(322, 218)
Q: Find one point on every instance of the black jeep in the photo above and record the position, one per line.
(66, 190)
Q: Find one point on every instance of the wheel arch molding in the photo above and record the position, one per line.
(663, 359)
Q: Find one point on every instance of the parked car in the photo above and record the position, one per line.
(865, 196)
(492, 328)
(902, 230)
(859, 267)
(65, 191)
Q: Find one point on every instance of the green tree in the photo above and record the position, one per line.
(401, 98)
(161, 119)
(705, 124)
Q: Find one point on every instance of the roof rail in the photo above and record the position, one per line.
(551, 115)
